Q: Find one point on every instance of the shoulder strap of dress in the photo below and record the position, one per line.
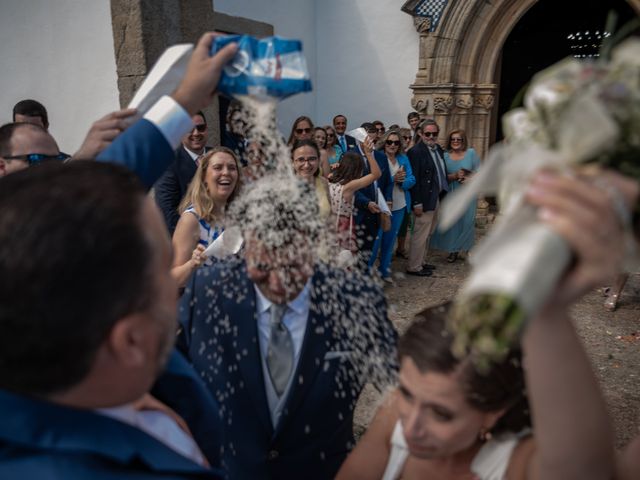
(492, 460)
(398, 454)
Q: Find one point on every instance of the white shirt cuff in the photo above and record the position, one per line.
(417, 205)
(171, 119)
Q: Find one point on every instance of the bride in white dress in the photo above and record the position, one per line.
(447, 422)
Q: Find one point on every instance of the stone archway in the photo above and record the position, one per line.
(460, 46)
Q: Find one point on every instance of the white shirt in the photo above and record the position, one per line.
(194, 156)
(160, 426)
(399, 199)
(295, 319)
(171, 119)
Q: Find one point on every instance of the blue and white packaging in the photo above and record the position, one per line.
(264, 68)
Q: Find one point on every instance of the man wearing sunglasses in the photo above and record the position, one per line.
(26, 144)
(172, 186)
(431, 185)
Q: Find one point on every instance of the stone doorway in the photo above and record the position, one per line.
(461, 43)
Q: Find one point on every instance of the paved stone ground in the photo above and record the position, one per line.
(612, 340)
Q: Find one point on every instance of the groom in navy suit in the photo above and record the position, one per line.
(284, 342)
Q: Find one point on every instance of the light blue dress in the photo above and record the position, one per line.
(460, 237)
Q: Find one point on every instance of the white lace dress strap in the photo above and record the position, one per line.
(398, 455)
(492, 460)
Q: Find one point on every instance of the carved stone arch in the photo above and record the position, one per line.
(456, 83)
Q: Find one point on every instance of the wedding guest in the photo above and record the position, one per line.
(305, 155)
(447, 420)
(320, 137)
(403, 180)
(302, 128)
(214, 185)
(171, 188)
(461, 162)
(346, 142)
(31, 111)
(413, 119)
(379, 130)
(279, 340)
(333, 149)
(367, 198)
(431, 186)
(344, 183)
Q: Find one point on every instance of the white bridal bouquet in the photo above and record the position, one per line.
(574, 112)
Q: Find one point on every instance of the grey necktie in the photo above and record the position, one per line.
(442, 177)
(280, 350)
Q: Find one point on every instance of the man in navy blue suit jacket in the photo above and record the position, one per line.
(366, 199)
(172, 186)
(72, 368)
(339, 331)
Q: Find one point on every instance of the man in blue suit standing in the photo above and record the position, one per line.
(285, 343)
(88, 312)
(366, 199)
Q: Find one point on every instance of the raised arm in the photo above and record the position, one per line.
(369, 459)
(374, 171)
(573, 435)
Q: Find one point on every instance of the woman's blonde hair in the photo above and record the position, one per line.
(198, 195)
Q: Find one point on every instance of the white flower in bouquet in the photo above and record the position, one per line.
(575, 112)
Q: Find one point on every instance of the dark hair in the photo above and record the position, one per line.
(325, 135)
(377, 122)
(306, 142)
(338, 116)
(395, 126)
(74, 259)
(8, 130)
(369, 127)
(298, 120)
(428, 342)
(413, 115)
(201, 113)
(31, 108)
(350, 168)
(462, 133)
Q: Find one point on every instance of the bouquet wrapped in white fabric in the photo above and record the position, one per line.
(574, 112)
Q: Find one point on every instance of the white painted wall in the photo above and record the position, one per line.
(61, 54)
(362, 55)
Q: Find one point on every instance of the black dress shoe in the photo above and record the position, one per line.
(428, 266)
(422, 273)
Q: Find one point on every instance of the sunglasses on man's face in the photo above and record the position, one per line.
(201, 127)
(393, 142)
(36, 158)
(430, 134)
(380, 129)
(300, 131)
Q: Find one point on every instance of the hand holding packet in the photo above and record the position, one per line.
(265, 68)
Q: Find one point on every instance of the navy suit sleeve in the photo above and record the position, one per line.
(167, 195)
(184, 391)
(141, 148)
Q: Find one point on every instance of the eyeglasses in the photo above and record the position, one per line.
(36, 158)
(300, 131)
(407, 138)
(301, 160)
(455, 139)
(380, 129)
(331, 135)
(430, 134)
(201, 127)
(393, 142)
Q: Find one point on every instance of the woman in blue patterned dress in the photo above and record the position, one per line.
(213, 187)
(461, 163)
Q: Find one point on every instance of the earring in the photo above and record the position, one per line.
(484, 435)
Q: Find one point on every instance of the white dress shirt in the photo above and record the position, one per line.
(295, 319)
(160, 426)
(171, 118)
